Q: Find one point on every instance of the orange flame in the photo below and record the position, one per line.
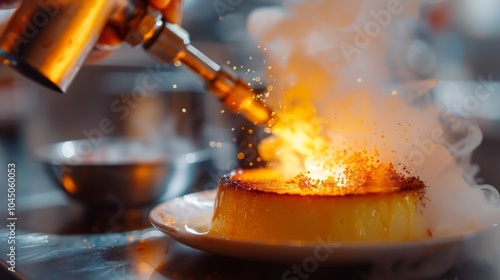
(300, 152)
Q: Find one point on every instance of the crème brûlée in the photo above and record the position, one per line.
(257, 205)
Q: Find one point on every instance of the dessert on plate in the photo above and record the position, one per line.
(257, 205)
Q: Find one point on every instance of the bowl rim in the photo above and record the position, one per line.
(46, 155)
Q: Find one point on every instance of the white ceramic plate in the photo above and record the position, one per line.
(188, 218)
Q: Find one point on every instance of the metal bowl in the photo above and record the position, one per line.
(106, 105)
(120, 172)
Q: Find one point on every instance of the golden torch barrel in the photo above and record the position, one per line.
(172, 44)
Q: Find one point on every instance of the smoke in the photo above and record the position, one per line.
(336, 59)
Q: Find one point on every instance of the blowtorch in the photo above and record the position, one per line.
(49, 40)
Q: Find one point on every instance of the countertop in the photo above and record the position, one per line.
(57, 238)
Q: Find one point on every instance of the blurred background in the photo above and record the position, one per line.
(150, 132)
(182, 140)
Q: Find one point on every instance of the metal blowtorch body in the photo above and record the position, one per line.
(48, 41)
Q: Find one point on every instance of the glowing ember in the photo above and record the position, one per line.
(334, 171)
(301, 153)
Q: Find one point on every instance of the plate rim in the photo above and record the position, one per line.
(177, 233)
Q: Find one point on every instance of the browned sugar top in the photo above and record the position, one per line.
(269, 181)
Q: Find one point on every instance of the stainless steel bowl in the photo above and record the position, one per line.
(119, 172)
(164, 107)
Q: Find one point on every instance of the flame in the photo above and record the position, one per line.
(299, 150)
(363, 112)
(68, 184)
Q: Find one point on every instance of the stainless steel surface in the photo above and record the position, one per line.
(58, 238)
(121, 173)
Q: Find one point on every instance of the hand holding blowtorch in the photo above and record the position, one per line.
(54, 52)
(109, 40)
(64, 32)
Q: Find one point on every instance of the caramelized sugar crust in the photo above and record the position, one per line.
(257, 205)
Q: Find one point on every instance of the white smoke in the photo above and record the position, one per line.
(333, 56)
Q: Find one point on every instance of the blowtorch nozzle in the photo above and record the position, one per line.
(54, 53)
(172, 44)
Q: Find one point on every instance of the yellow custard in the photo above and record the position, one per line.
(255, 205)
